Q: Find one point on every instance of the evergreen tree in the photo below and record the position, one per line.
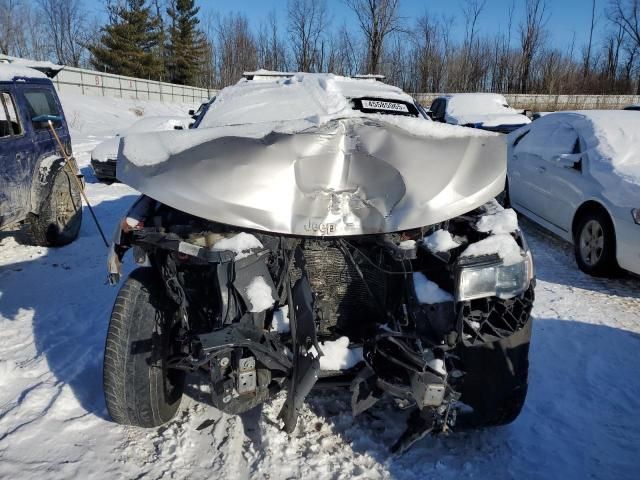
(130, 42)
(187, 44)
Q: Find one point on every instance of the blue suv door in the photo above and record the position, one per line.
(16, 159)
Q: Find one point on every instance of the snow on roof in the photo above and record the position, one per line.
(614, 134)
(8, 72)
(302, 97)
(257, 108)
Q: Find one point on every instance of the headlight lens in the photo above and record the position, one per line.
(494, 280)
(635, 213)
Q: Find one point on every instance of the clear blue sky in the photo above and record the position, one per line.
(566, 18)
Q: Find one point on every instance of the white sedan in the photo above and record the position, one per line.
(578, 175)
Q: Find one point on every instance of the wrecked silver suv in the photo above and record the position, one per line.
(320, 229)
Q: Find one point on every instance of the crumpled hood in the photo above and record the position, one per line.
(492, 120)
(347, 177)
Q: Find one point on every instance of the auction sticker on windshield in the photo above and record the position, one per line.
(382, 105)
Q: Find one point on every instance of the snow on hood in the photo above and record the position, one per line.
(307, 163)
(489, 109)
(491, 120)
(108, 149)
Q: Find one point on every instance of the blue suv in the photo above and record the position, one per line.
(35, 186)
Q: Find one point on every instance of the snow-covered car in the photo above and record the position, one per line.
(578, 175)
(320, 230)
(633, 107)
(488, 111)
(104, 156)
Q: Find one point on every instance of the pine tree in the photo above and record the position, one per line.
(187, 44)
(129, 43)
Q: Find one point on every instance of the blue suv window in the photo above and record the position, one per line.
(9, 123)
(41, 102)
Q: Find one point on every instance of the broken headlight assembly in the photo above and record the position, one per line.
(488, 276)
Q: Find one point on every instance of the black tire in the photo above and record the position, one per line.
(591, 228)
(139, 388)
(496, 380)
(59, 217)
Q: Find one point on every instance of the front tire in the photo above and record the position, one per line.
(59, 218)
(139, 388)
(595, 244)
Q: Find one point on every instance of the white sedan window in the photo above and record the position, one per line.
(548, 140)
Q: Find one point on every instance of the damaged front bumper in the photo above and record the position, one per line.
(410, 349)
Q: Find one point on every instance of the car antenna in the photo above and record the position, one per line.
(67, 164)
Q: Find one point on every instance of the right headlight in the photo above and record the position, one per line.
(491, 278)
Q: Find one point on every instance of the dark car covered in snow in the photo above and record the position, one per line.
(320, 230)
(35, 186)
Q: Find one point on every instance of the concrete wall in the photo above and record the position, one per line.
(89, 82)
(550, 103)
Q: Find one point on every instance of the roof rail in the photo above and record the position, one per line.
(370, 76)
(262, 74)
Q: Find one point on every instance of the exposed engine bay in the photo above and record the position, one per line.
(410, 305)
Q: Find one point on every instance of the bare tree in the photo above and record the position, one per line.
(587, 55)
(308, 21)
(378, 19)
(65, 20)
(237, 48)
(626, 14)
(531, 38)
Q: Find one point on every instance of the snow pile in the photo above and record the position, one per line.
(338, 355)
(429, 292)
(241, 244)
(99, 117)
(488, 109)
(280, 322)
(440, 241)
(504, 221)
(504, 245)
(9, 71)
(260, 295)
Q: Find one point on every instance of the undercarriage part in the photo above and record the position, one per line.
(486, 320)
(306, 351)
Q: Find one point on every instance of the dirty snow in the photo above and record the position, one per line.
(504, 221)
(241, 243)
(338, 356)
(260, 295)
(580, 420)
(440, 241)
(429, 292)
(407, 244)
(280, 322)
(504, 245)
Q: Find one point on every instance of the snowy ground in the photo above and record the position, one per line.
(581, 417)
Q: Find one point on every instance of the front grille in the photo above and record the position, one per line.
(343, 303)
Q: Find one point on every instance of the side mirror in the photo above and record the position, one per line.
(567, 160)
(192, 112)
